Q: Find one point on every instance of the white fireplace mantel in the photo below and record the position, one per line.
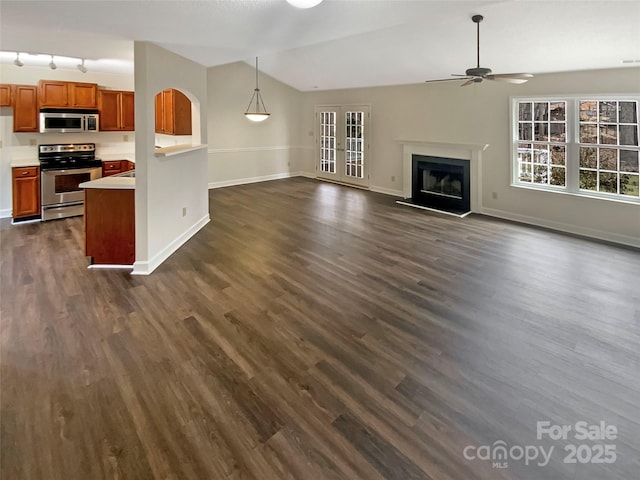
(461, 151)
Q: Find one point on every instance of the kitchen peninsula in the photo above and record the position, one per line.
(109, 220)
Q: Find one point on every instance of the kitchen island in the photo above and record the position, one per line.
(109, 219)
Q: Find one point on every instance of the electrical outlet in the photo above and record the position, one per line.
(0, 143)
(33, 142)
(125, 138)
(393, 178)
(184, 211)
(494, 195)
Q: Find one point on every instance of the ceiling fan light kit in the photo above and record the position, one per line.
(477, 74)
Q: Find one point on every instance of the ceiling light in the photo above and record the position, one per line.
(304, 3)
(256, 115)
(52, 65)
(17, 61)
(81, 67)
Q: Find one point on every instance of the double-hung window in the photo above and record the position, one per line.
(580, 145)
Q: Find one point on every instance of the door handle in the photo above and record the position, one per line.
(340, 149)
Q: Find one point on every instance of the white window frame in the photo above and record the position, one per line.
(572, 164)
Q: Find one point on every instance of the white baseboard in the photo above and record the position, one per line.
(387, 191)
(6, 213)
(564, 227)
(146, 267)
(244, 181)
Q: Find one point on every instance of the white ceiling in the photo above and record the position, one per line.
(339, 43)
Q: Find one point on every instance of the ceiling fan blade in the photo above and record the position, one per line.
(512, 75)
(507, 79)
(469, 82)
(446, 80)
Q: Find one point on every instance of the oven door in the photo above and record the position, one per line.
(61, 187)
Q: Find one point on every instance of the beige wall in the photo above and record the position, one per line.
(241, 151)
(165, 186)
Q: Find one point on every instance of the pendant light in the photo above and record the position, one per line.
(17, 61)
(52, 65)
(81, 67)
(255, 114)
(304, 3)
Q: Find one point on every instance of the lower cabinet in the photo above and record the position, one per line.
(26, 192)
(111, 167)
(110, 227)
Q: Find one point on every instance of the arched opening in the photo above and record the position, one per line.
(177, 118)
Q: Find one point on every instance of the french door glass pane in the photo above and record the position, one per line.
(328, 142)
(354, 144)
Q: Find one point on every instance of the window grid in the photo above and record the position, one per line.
(609, 153)
(542, 142)
(354, 148)
(596, 153)
(328, 142)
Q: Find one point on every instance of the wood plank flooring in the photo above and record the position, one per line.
(313, 331)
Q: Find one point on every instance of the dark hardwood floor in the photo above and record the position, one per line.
(314, 331)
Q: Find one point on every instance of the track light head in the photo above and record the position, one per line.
(81, 67)
(52, 65)
(17, 61)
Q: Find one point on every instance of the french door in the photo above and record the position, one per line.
(342, 143)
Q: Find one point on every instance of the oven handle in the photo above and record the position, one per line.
(72, 170)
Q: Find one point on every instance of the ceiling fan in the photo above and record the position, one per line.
(478, 73)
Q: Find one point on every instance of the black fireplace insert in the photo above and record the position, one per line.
(441, 183)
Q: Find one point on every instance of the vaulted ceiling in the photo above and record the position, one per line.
(337, 44)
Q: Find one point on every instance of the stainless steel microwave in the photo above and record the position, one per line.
(68, 121)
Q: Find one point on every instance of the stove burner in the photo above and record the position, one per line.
(68, 156)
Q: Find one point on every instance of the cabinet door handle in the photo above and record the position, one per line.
(25, 173)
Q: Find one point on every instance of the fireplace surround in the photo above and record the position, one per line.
(471, 154)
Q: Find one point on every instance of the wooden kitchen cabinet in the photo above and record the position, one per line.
(26, 192)
(5, 95)
(173, 113)
(25, 108)
(58, 94)
(111, 167)
(126, 165)
(116, 110)
(110, 227)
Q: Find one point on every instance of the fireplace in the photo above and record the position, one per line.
(463, 159)
(441, 183)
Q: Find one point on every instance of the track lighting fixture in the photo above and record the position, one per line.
(52, 65)
(81, 67)
(17, 61)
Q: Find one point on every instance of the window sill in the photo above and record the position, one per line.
(593, 196)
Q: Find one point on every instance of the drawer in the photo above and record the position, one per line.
(111, 165)
(25, 172)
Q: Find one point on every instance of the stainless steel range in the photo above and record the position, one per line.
(64, 168)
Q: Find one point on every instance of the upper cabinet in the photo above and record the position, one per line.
(58, 94)
(116, 110)
(25, 108)
(5, 95)
(173, 113)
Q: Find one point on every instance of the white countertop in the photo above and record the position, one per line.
(25, 162)
(106, 157)
(112, 182)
